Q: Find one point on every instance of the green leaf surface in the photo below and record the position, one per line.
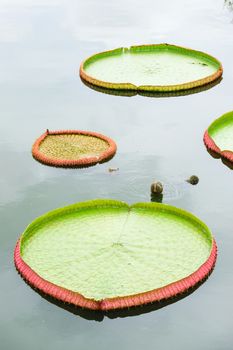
(104, 248)
(151, 65)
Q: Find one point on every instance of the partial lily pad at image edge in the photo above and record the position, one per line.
(218, 138)
(106, 255)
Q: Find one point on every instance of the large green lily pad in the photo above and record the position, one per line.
(160, 68)
(107, 250)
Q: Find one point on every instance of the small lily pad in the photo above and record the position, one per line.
(73, 148)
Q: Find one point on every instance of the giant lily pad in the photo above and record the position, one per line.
(218, 138)
(73, 148)
(161, 68)
(105, 254)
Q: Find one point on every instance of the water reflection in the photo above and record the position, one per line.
(156, 197)
(217, 156)
(130, 93)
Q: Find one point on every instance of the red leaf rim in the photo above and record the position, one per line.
(211, 146)
(79, 300)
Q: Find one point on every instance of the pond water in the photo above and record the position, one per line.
(42, 44)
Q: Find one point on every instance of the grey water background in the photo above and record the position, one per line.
(42, 44)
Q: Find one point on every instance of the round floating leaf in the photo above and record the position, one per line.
(104, 254)
(218, 138)
(148, 68)
(73, 148)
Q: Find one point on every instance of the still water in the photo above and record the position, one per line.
(42, 44)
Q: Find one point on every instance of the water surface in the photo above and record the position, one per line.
(42, 45)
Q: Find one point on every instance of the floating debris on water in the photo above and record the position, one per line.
(156, 187)
(112, 169)
(201, 63)
(193, 180)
